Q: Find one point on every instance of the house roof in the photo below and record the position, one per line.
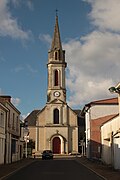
(7, 99)
(104, 101)
(111, 101)
(31, 118)
(108, 118)
(3, 107)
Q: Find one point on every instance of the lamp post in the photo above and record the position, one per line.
(26, 139)
(116, 89)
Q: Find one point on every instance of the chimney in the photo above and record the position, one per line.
(5, 98)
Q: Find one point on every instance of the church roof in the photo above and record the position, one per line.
(77, 111)
(31, 118)
(57, 101)
(56, 41)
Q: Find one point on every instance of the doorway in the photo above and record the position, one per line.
(56, 145)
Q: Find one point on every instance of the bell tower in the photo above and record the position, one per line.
(56, 68)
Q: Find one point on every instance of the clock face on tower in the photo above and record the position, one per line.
(56, 93)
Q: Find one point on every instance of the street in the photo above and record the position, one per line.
(54, 169)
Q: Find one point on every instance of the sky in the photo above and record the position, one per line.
(90, 35)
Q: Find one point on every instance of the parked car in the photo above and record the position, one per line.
(47, 154)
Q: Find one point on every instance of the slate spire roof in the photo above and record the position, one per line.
(56, 41)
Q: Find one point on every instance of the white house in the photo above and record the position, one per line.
(110, 139)
(96, 113)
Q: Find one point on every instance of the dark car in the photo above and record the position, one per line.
(47, 154)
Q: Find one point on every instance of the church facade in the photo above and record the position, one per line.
(56, 125)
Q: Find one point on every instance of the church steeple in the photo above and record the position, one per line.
(56, 68)
(56, 53)
(56, 41)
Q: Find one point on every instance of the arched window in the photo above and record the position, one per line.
(56, 78)
(56, 116)
(56, 56)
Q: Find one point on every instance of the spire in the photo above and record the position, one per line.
(56, 41)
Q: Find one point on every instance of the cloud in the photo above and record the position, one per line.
(2, 59)
(15, 101)
(26, 68)
(9, 25)
(18, 3)
(1, 91)
(18, 69)
(105, 14)
(94, 59)
(46, 38)
(30, 4)
(31, 69)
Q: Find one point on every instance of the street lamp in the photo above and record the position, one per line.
(116, 89)
(26, 139)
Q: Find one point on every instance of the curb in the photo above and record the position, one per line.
(91, 169)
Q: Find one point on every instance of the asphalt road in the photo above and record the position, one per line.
(54, 170)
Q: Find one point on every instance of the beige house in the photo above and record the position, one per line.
(12, 144)
(55, 126)
(3, 120)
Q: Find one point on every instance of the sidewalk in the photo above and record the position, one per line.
(8, 169)
(106, 172)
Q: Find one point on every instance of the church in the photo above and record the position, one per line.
(55, 127)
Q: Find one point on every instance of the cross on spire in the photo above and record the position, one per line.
(56, 12)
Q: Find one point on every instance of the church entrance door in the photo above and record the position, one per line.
(56, 145)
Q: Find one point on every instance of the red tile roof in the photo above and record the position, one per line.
(104, 101)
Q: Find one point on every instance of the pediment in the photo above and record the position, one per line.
(57, 101)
